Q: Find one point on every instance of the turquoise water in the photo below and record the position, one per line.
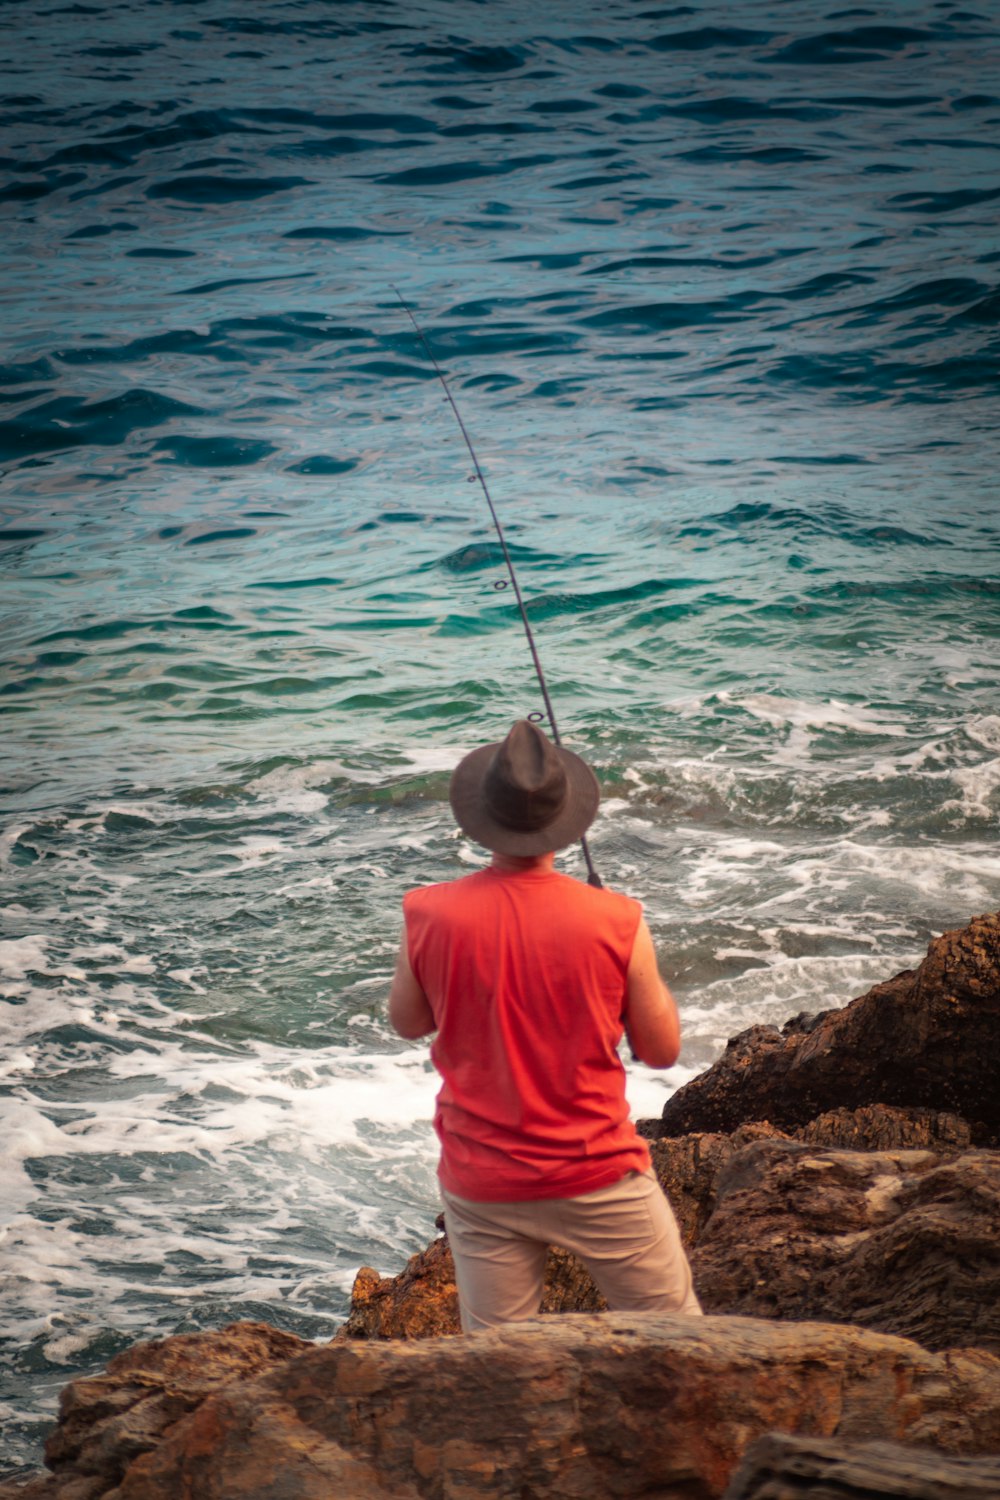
(716, 291)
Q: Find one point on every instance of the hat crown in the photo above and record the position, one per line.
(523, 794)
(525, 784)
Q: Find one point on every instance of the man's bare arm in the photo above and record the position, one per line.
(651, 1019)
(409, 1009)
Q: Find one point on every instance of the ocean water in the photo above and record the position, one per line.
(716, 289)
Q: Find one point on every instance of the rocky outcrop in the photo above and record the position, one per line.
(108, 1420)
(421, 1302)
(687, 1168)
(589, 1406)
(900, 1241)
(926, 1038)
(794, 1468)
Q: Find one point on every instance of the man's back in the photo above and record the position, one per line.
(525, 972)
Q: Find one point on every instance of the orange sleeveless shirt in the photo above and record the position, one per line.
(525, 974)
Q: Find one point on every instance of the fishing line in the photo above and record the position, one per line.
(592, 876)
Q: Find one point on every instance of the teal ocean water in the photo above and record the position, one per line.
(716, 288)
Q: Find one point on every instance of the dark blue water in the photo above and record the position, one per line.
(716, 288)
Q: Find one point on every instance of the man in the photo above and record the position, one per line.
(529, 977)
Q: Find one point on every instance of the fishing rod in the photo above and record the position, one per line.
(592, 876)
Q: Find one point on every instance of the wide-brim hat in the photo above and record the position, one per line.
(523, 794)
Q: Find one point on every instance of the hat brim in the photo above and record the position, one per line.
(573, 819)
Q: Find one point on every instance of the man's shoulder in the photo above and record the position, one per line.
(556, 891)
(441, 892)
(598, 894)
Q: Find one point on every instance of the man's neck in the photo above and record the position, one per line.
(512, 862)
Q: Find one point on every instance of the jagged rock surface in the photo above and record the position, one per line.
(883, 1127)
(589, 1406)
(108, 1420)
(926, 1038)
(905, 1242)
(778, 1467)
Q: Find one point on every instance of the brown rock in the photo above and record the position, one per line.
(47, 1487)
(588, 1406)
(778, 1467)
(421, 1302)
(881, 1127)
(926, 1039)
(107, 1420)
(65, 1486)
(687, 1169)
(902, 1241)
(569, 1286)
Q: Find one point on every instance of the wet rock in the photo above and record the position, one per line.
(901, 1241)
(49, 1487)
(66, 1486)
(589, 1406)
(925, 1039)
(778, 1467)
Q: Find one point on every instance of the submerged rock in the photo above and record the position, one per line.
(927, 1038)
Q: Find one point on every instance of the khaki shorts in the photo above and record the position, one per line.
(625, 1234)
